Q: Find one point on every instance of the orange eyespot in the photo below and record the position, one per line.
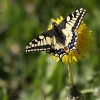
(66, 49)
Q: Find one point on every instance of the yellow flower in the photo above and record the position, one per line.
(84, 43)
(58, 20)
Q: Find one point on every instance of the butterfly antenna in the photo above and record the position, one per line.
(59, 10)
(41, 20)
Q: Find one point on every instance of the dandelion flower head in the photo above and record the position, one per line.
(84, 43)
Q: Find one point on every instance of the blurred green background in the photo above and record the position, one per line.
(37, 76)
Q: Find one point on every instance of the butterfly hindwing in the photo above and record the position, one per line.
(57, 50)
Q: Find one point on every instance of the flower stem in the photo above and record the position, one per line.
(70, 74)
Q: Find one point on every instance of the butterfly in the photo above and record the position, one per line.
(61, 39)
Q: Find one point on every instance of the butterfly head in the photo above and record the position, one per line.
(54, 24)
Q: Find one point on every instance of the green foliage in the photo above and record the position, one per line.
(37, 76)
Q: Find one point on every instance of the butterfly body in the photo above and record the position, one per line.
(62, 38)
(59, 34)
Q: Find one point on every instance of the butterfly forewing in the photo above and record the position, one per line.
(41, 43)
(69, 26)
(73, 20)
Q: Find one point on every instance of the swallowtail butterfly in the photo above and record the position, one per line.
(62, 38)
